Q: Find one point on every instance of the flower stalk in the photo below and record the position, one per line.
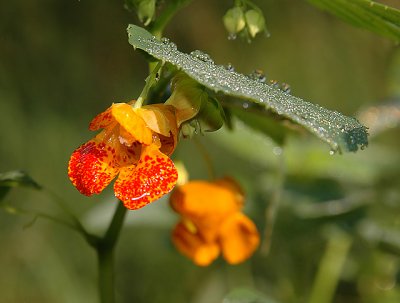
(150, 80)
(105, 254)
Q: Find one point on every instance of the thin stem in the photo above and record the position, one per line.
(90, 239)
(330, 267)
(272, 208)
(111, 236)
(105, 254)
(157, 28)
(206, 157)
(151, 78)
(77, 225)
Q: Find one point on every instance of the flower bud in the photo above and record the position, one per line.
(234, 20)
(145, 9)
(255, 22)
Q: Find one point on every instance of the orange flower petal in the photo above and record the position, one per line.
(103, 120)
(168, 144)
(132, 123)
(239, 238)
(154, 176)
(205, 203)
(193, 246)
(91, 167)
(160, 118)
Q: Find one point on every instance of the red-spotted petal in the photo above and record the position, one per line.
(102, 120)
(91, 167)
(154, 176)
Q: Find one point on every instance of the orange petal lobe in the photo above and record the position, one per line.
(205, 203)
(103, 120)
(154, 176)
(190, 244)
(132, 123)
(239, 238)
(90, 167)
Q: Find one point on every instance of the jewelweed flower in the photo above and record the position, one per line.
(134, 144)
(212, 222)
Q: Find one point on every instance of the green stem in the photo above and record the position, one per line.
(157, 28)
(149, 83)
(330, 267)
(105, 254)
(272, 208)
(206, 157)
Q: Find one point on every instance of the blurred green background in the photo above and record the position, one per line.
(62, 62)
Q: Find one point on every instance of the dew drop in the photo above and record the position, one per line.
(245, 105)
(165, 40)
(201, 56)
(274, 83)
(285, 88)
(277, 151)
(232, 36)
(229, 67)
(332, 152)
(258, 75)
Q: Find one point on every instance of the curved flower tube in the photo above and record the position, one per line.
(212, 222)
(134, 144)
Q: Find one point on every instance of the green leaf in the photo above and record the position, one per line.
(376, 17)
(15, 178)
(340, 132)
(262, 121)
(246, 295)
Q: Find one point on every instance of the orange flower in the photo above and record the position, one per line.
(135, 144)
(212, 222)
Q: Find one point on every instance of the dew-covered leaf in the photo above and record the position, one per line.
(342, 133)
(262, 122)
(376, 17)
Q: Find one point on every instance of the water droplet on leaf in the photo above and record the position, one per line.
(201, 56)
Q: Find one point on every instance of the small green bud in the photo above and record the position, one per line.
(234, 20)
(211, 116)
(196, 111)
(187, 97)
(255, 22)
(145, 9)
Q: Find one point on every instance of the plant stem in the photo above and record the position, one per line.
(272, 208)
(157, 28)
(105, 254)
(330, 267)
(207, 159)
(151, 78)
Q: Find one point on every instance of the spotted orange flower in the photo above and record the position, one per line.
(212, 222)
(134, 144)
